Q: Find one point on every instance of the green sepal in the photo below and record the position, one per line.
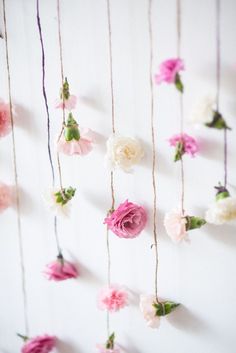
(218, 122)
(178, 83)
(23, 337)
(164, 308)
(65, 90)
(222, 195)
(65, 195)
(194, 222)
(71, 131)
(179, 151)
(110, 341)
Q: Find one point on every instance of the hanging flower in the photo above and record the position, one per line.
(183, 143)
(6, 196)
(39, 344)
(58, 201)
(223, 209)
(112, 298)
(75, 140)
(153, 310)
(127, 221)
(169, 73)
(60, 270)
(69, 100)
(177, 225)
(123, 152)
(109, 347)
(5, 119)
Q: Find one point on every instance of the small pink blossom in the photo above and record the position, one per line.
(69, 103)
(5, 119)
(102, 349)
(60, 270)
(127, 221)
(77, 147)
(6, 196)
(175, 224)
(168, 70)
(184, 144)
(112, 298)
(40, 344)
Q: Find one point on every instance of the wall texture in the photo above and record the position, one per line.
(199, 274)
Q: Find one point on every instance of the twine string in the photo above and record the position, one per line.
(19, 228)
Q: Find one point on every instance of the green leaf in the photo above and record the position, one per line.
(164, 308)
(222, 195)
(110, 341)
(65, 90)
(178, 83)
(71, 131)
(179, 151)
(218, 122)
(194, 222)
(24, 338)
(65, 195)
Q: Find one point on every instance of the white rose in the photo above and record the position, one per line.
(123, 152)
(203, 111)
(222, 211)
(148, 310)
(57, 208)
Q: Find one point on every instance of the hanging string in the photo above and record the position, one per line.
(178, 23)
(153, 148)
(48, 118)
(19, 229)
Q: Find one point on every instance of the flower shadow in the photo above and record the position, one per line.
(24, 119)
(210, 148)
(222, 233)
(93, 100)
(183, 319)
(64, 347)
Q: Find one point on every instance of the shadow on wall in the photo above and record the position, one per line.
(64, 347)
(183, 319)
(24, 119)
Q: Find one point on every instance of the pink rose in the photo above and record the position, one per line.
(6, 196)
(60, 270)
(40, 344)
(77, 147)
(184, 144)
(112, 298)
(169, 69)
(127, 221)
(175, 225)
(69, 103)
(5, 119)
(102, 349)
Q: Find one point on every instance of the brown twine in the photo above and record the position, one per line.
(19, 229)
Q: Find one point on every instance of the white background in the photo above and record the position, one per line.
(199, 275)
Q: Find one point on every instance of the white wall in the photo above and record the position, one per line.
(200, 275)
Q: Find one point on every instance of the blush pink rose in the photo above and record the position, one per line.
(6, 196)
(69, 103)
(168, 70)
(112, 298)
(190, 145)
(102, 349)
(60, 270)
(5, 119)
(127, 221)
(40, 344)
(77, 147)
(175, 225)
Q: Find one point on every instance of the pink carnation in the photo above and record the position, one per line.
(40, 344)
(60, 270)
(5, 119)
(168, 70)
(127, 221)
(190, 145)
(102, 349)
(80, 147)
(112, 298)
(6, 196)
(69, 103)
(175, 225)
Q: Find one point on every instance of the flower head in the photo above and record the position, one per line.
(183, 143)
(112, 298)
(58, 201)
(203, 111)
(66, 101)
(169, 72)
(60, 270)
(6, 196)
(127, 221)
(5, 119)
(39, 344)
(123, 152)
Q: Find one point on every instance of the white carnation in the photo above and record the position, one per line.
(148, 310)
(222, 211)
(123, 152)
(203, 111)
(57, 208)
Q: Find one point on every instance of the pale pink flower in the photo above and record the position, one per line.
(60, 270)
(112, 298)
(69, 103)
(5, 119)
(40, 344)
(127, 221)
(175, 225)
(6, 196)
(190, 145)
(102, 349)
(77, 147)
(149, 311)
(168, 70)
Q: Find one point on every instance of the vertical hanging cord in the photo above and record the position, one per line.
(21, 251)
(48, 118)
(153, 147)
(178, 23)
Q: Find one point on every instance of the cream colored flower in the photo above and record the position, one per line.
(123, 152)
(57, 208)
(149, 311)
(203, 111)
(222, 211)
